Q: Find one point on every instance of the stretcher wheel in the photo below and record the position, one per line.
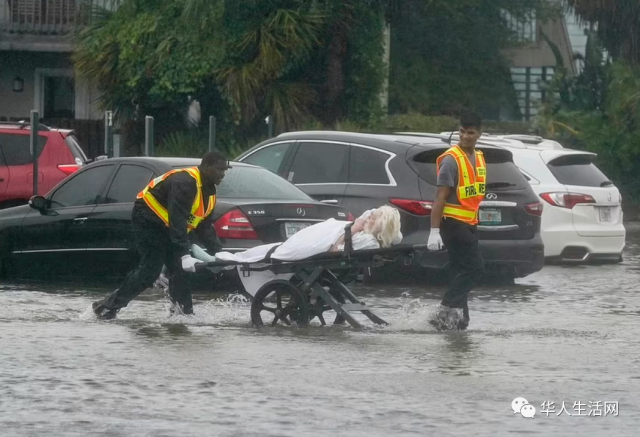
(279, 301)
(320, 306)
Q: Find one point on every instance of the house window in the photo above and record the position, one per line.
(528, 85)
(55, 93)
(59, 97)
(524, 29)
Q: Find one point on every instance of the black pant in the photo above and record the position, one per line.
(467, 265)
(155, 249)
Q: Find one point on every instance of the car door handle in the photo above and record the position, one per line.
(80, 219)
(330, 201)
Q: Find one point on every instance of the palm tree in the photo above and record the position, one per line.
(293, 61)
(618, 25)
(260, 59)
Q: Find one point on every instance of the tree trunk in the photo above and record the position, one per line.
(334, 87)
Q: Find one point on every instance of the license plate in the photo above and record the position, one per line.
(605, 214)
(490, 216)
(291, 228)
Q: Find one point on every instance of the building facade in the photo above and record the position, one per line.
(36, 71)
(533, 60)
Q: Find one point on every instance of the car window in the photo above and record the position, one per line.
(367, 166)
(319, 162)
(578, 170)
(82, 189)
(270, 157)
(257, 183)
(76, 149)
(128, 182)
(16, 150)
(502, 173)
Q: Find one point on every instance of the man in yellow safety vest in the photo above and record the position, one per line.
(169, 208)
(462, 173)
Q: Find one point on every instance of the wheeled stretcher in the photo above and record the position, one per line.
(315, 285)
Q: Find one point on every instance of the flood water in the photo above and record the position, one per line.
(565, 334)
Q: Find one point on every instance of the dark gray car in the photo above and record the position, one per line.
(362, 171)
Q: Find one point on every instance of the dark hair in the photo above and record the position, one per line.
(212, 158)
(471, 119)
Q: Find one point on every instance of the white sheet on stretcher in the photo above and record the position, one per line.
(305, 243)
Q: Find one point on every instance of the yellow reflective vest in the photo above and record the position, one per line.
(471, 185)
(197, 208)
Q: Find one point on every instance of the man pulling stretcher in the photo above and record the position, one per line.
(165, 213)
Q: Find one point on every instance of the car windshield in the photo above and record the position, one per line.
(578, 170)
(257, 183)
(502, 173)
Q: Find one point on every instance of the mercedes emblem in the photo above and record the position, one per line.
(301, 212)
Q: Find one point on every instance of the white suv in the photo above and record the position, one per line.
(582, 217)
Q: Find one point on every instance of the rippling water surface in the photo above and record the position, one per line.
(562, 335)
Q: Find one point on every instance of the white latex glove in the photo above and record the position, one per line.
(435, 240)
(189, 263)
(199, 253)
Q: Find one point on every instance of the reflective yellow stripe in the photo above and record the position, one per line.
(156, 207)
(456, 211)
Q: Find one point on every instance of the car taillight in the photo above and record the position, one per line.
(350, 217)
(235, 224)
(68, 168)
(567, 200)
(417, 207)
(534, 208)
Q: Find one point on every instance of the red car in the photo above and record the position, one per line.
(60, 155)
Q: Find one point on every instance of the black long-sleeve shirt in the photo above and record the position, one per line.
(177, 193)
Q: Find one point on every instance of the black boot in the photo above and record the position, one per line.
(448, 319)
(103, 313)
(464, 322)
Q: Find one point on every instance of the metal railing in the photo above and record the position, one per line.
(49, 17)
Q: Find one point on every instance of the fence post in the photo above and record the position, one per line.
(149, 137)
(33, 148)
(212, 133)
(108, 134)
(269, 121)
(116, 147)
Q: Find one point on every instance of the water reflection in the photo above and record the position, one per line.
(457, 354)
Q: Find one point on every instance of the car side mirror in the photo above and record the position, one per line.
(38, 202)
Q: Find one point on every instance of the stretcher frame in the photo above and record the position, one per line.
(310, 277)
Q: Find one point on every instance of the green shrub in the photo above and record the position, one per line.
(187, 144)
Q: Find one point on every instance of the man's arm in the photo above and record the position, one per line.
(447, 180)
(208, 237)
(438, 206)
(182, 192)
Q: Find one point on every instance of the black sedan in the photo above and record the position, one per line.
(82, 227)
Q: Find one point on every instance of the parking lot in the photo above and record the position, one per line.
(564, 334)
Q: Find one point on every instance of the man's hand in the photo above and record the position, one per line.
(162, 283)
(189, 263)
(435, 240)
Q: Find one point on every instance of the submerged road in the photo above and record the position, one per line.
(563, 335)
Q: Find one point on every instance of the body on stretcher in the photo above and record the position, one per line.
(298, 291)
(298, 280)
